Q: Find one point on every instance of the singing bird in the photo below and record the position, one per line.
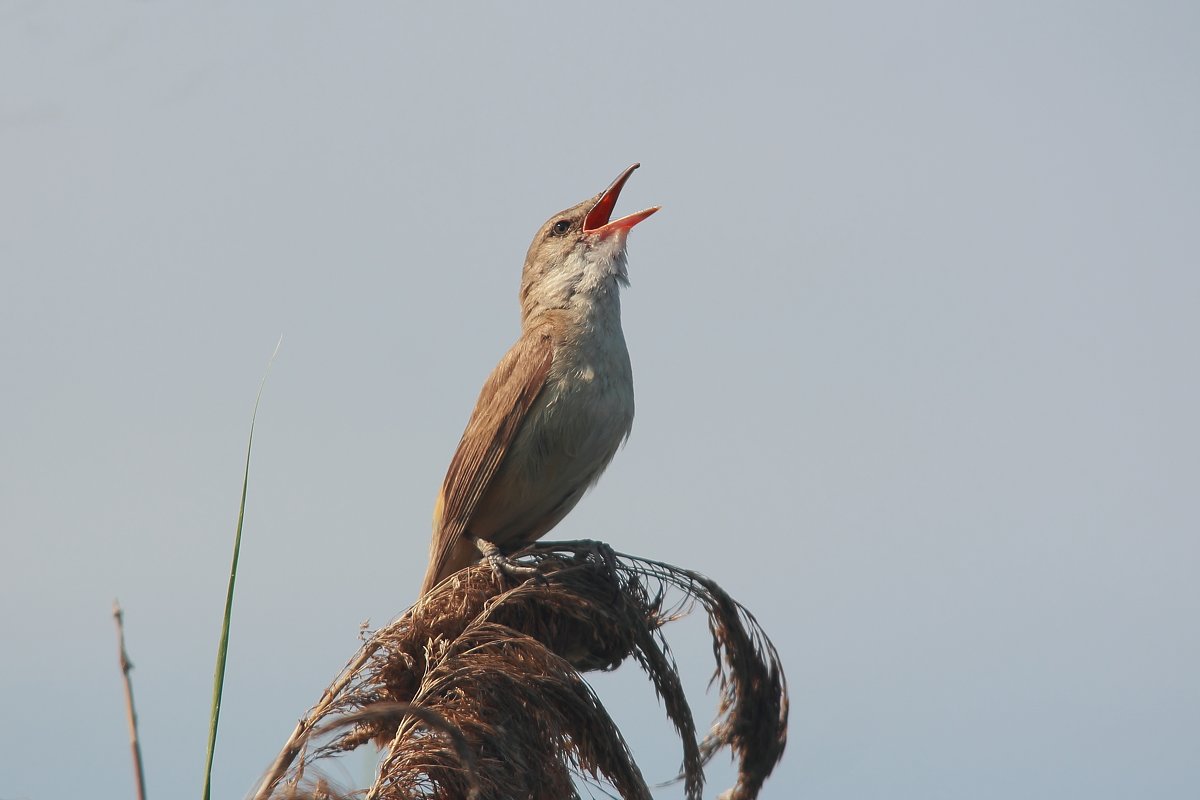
(558, 405)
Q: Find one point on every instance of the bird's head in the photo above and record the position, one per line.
(579, 253)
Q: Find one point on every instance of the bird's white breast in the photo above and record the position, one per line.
(586, 409)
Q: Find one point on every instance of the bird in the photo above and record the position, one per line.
(557, 406)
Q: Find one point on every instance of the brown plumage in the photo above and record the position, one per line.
(557, 406)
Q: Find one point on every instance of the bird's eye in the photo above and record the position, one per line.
(561, 227)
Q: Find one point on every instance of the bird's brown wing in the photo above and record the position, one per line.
(503, 403)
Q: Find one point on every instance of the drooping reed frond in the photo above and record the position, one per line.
(478, 689)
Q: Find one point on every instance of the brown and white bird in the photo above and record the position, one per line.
(557, 406)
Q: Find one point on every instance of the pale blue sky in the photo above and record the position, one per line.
(914, 341)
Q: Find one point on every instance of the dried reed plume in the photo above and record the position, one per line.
(477, 691)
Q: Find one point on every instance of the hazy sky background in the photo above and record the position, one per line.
(914, 339)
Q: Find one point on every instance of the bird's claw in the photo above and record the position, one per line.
(503, 566)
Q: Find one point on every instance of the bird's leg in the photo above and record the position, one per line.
(500, 564)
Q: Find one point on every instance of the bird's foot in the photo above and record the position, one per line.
(501, 564)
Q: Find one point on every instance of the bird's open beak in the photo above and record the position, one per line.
(596, 222)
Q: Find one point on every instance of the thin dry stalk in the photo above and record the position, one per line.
(327, 705)
(135, 746)
(478, 690)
